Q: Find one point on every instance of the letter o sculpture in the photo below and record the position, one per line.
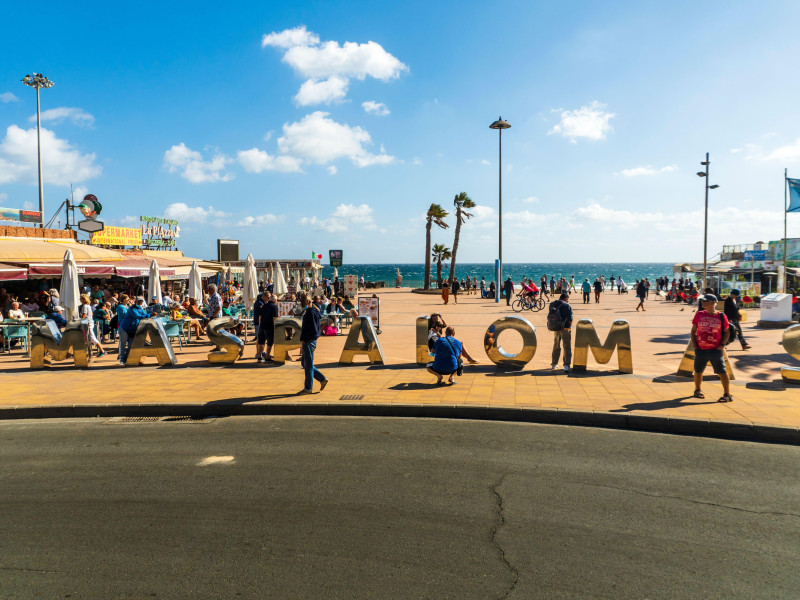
(500, 357)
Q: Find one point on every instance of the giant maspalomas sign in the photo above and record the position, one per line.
(48, 344)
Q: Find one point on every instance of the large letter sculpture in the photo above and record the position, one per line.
(287, 337)
(361, 327)
(423, 355)
(686, 368)
(230, 346)
(791, 343)
(619, 338)
(47, 340)
(500, 357)
(152, 331)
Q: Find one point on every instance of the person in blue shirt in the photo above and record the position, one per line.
(128, 326)
(309, 334)
(447, 351)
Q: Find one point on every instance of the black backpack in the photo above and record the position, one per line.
(555, 321)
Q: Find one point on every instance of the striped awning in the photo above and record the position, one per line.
(12, 272)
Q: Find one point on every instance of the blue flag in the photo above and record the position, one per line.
(794, 195)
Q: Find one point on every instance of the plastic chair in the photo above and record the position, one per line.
(174, 329)
(15, 332)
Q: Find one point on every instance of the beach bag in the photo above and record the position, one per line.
(554, 319)
(330, 330)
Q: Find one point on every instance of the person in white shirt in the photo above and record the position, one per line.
(15, 312)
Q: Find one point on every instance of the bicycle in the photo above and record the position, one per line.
(524, 302)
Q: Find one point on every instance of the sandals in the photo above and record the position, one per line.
(726, 398)
(698, 394)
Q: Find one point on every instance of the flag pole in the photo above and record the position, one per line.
(785, 213)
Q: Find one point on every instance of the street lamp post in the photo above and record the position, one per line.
(38, 81)
(704, 175)
(500, 124)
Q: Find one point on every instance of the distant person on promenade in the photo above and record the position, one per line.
(455, 289)
(646, 287)
(475, 285)
(309, 333)
(732, 312)
(710, 334)
(586, 288)
(603, 281)
(598, 289)
(620, 283)
(508, 289)
(446, 293)
(641, 293)
(572, 287)
(492, 290)
(559, 321)
(362, 285)
(552, 284)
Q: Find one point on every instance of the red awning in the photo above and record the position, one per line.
(12, 273)
(54, 269)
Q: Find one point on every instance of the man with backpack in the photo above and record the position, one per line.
(559, 321)
(710, 335)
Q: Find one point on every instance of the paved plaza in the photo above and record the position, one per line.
(652, 397)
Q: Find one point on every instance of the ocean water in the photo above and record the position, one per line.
(413, 274)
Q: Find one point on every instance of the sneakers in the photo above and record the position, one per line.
(566, 369)
(554, 366)
(102, 354)
(259, 358)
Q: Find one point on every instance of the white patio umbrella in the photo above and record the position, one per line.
(288, 274)
(228, 275)
(335, 272)
(195, 282)
(280, 287)
(153, 283)
(68, 292)
(250, 287)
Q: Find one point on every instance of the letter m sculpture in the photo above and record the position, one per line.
(619, 338)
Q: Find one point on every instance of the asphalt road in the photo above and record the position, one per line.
(391, 508)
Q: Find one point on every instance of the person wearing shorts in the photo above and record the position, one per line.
(447, 351)
(710, 334)
(266, 328)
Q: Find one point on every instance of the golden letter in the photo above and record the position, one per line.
(229, 345)
(46, 340)
(619, 338)
(362, 326)
(791, 343)
(686, 368)
(287, 337)
(500, 357)
(151, 330)
(423, 354)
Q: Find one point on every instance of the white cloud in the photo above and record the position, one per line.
(622, 218)
(648, 170)
(332, 170)
(27, 205)
(78, 116)
(261, 220)
(322, 92)
(485, 162)
(8, 97)
(299, 36)
(319, 139)
(417, 161)
(343, 219)
(789, 153)
(3, 197)
(197, 214)
(328, 66)
(375, 108)
(61, 163)
(588, 122)
(79, 192)
(193, 168)
(256, 161)
(531, 200)
(483, 216)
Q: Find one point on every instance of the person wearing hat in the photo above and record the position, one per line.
(732, 312)
(508, 289)
(57, 317)
(710, 334)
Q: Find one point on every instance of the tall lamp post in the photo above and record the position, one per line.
(500, 124)
(38, 81)
(706, 163)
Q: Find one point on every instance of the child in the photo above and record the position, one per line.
(710, 334)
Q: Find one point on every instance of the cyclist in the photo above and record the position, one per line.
(530, 291)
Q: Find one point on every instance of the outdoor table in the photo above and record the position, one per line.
(26, 321)
(247, 321)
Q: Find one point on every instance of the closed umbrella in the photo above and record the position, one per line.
(250, 288)
(335, 272)
(228, 276)
(154, 282)
(288, 275)
(280, 288)
(68, 292)
(195, 282)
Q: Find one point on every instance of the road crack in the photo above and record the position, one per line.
(501, 520)
(24, 570)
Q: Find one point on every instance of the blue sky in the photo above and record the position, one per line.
(307, 126)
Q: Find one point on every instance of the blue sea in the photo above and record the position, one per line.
(413, 274)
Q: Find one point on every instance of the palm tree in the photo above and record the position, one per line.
(440, 253)
(436, 214)
(461, 202)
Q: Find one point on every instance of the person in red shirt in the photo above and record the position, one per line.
(710, 334)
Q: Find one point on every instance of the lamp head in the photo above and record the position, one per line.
(37, 81)
(701, 174)
(713, 187)
(704, 162)
(500, 124)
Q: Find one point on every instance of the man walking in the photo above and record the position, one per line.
(710, 334)
(598, 289)
(309, 334)
(732, 312)
(641, 293)
(559, 321)
(508, 288)
(586, 288)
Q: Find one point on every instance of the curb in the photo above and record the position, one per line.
(732, 430)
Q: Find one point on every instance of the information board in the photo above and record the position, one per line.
(335, 257)
(370, 307)
(285, 309)
(351, 285)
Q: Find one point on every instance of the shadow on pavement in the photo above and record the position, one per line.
(240, 401)
(407, 387)
(661, 404)
(678, 338)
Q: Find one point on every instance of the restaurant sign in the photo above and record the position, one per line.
(118, 236)
(158, 232)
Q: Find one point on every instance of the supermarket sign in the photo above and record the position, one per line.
(118, 236)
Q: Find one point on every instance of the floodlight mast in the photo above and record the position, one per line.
(38, 81)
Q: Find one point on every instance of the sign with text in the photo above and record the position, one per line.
(285, 309)
(118, 236)
(351, 285)
(335, 258)
(370, 307)
(158, 232)
(20, 216)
